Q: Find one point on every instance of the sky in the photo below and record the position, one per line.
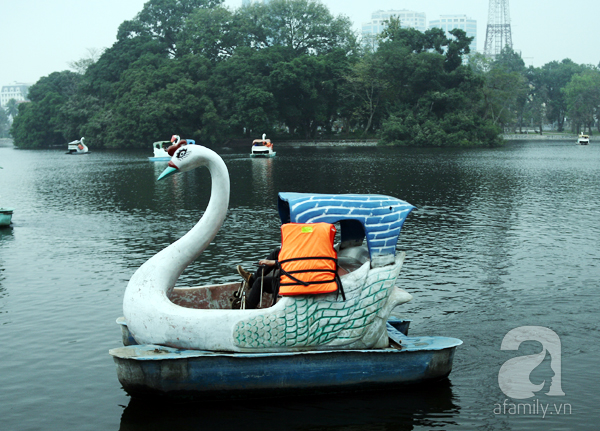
(38, 37)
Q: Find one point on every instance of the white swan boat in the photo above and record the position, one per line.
(160, 148)
(262, 148)
(189, 342)
(77, 147)
(583, 139)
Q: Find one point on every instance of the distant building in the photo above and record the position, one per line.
(408, 18)
(450, 22)
(16, 91)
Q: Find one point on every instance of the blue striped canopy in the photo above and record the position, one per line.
(378, 217)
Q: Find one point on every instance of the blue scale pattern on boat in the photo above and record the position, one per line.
(381, 216)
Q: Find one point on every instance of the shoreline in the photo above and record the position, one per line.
(340, 143)
(537, 137)
(8, 142)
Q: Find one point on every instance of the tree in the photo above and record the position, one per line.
(38, 122)
(241, 89)
(302, 26)
(197, 69)
(12, 108)
(458, 47)
(555, 77)
(510, 63)
(432, 99)
(81, 65)
(157, 97)
(480, 63)
(501, 92)
(509, 60)
(412, 39)
(100, 78)
(36, 126)
(537, 98)
(305, 90)
(4, 124)
(212, 33)
(163, 20)
(76, 116)
(366, 87)
(582, 95)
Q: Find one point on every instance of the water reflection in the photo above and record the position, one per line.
(6, 232)
(501, 238)
(403, 408)
(262, 176)
(6, 237)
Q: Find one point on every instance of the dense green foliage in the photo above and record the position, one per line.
(4, 124)
(291, 69)
(431, 98)
(12, 108)
(38, 122)
(521, 97)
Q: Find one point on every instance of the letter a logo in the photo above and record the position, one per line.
(513, 377)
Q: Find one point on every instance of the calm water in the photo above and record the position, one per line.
(502, 238)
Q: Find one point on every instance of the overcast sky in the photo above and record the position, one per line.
(38, 37)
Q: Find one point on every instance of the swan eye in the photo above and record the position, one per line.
(182, 154)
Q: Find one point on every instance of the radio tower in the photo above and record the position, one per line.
(497, 35)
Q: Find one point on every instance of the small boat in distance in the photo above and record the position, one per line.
(160, 151)
(583, 139)
(262, 147)
(77, 147)
(160, 148)
(5, 216)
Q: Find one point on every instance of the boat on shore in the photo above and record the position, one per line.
(160, 148)
(77, 147)
(583, 139)
(262, 148)
(191, 342)
(6, 216)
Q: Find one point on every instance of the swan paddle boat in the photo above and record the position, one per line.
(190, 342)
(160, 148)
(583, 139)
(262, 148)
(77, 147)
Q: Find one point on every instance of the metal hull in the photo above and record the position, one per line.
(157, 371)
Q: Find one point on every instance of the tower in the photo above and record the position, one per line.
(498, 34)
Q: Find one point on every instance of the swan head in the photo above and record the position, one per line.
(175, 139)
(185, 158)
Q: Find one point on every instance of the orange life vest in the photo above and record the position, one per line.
(307, 260)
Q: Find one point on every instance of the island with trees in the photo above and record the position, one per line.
(292, 70)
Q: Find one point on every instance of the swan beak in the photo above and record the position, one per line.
(167, 172)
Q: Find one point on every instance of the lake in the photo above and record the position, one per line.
(501, 238)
